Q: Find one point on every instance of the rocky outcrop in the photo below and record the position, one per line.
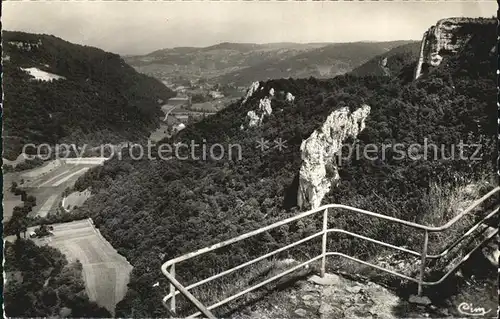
(25, 46)
(420, 63)
(331, 297)
(265, 106)
(319, 171)
(383, 66)
(251, 90)
(440, 40)
(255, 117)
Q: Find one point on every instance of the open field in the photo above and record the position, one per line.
(212, 106)
(160, 133)
(42, 170)
(106, 273)
(9, 202)
(46, 183)
(49, 187)
(9, 199)
(75, 199)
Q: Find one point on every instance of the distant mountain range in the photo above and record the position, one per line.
(240, 64)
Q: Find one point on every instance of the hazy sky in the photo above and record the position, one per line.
(127, 27)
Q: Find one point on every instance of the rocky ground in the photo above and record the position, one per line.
(330, 297)
(337, 296)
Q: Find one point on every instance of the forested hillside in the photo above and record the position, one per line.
(399, 62)
(77, 94)
(152, 211)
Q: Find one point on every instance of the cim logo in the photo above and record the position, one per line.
(466, 308)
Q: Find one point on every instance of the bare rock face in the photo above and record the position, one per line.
(251, 90)
(256, 117)
(265, 106)
(383, 66)
(442, 39)
(26, 46)
(383, 62)
(289, 97)
(253, 119)
(319, 171)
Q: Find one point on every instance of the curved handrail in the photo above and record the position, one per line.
(334, 230)
(470, 231)
(433, 283)
(191, 298)
(427, 283)
(206, 310)
(314, 211)
(331, 230)
(465, 212)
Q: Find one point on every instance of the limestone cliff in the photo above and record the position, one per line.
(444, 38)
(383, 66)
(255, 117)
(318, 171)
(251, 90)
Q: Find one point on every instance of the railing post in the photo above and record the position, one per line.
(171, 271)
(323, 244)
(422, 265)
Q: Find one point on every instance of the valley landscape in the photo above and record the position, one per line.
(400, 132)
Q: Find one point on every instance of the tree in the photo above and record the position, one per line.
(30, 201)
(13, 187)
(18, 222)
(42, 231)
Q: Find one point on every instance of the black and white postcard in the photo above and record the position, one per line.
(250, 159)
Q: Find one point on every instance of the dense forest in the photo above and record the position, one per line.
(101, 99)
(41, 283)
(154, 210)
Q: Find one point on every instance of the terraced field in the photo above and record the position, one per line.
(106, 273)
(47, 183)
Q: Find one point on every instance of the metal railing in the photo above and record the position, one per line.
(168, 268)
